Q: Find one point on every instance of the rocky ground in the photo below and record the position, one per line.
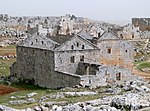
(130, 96)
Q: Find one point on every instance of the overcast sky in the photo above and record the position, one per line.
(117, 11)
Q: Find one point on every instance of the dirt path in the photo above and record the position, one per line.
(7, 89)
(140, 73)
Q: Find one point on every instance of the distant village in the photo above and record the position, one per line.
(13, 30)
(18, 28)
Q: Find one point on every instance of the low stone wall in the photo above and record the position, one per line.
(65, 79)
(59, 80)
(92, 80)
(114, 74)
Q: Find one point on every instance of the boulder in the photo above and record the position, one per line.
(30, 100)
(37, 108)
(5, 108)
(79, 93)
(31, 94)
(17, 102)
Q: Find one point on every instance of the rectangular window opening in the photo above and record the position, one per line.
(109, 51)
(118, 76)
(77, 44)
(72, 59)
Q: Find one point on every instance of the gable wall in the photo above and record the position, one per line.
(68, 45)
(109, 36)
(39, 42)
(37, 64)
(118, 55)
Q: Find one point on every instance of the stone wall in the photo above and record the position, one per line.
(55, 70)
(34, 63)
(88, 80)
(63, 59)
(76, 43)
(110, 73)
(107, 75)
(4, 17)
(142, 23)
(67, 22)
(116, 52)
(64, 79)
(87, 68)
(38, 65)
(32, 30)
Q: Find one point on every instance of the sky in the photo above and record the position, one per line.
(114, 11)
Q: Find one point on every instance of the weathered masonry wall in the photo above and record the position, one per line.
(107, 75)
(64, 79)
(58, 80)
(76, 44)
(116, 53)
(142, 23)
(38, 65)
(114, 74)
(87, 80)
(35, 64)
(87, 68)
(63, 59)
